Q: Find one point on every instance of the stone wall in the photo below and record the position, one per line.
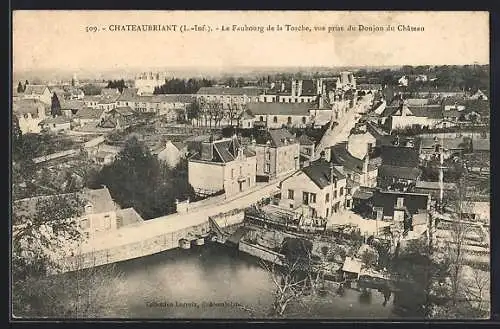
(133, 250)
(261, 252)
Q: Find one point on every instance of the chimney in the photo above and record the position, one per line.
(332, 173)
(322, 155)
(207, 150)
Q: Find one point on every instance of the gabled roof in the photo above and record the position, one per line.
(224, 150)
(341, 156)
(100, 200)
(320, 172)
(35, 89)
(89, 113)
(123, 110)
(305, 140)
(128, 216)
(277, 138)
(229, 91)
(399, 156)
(399, 172)
(281, 108)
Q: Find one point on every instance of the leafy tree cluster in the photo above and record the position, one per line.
(91, 89)
(465, 77)
(21, 88)
(182, 86)
(137, 179)
(117, 84)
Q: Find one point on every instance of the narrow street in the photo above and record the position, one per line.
(340, 132)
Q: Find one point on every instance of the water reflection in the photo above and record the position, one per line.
(183, 283)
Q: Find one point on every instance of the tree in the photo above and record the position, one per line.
(137, 179)
(20, 87)
(193, 112)
(55, 108)
(40, 240)
(240, 82)
(91, 89)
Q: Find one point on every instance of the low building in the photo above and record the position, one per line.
(38, 92)
(399, 207)
(316, 191)
(88, 115)
(29, 112)
(434, 188)
(172, 153)
(362, 171)
(99, 213)
(104, 154)
(222, 165)
(400, 167)
(228, 96)
(277, 153)
(404, 116)
(307, 148)
(70, 108)
(56, 124)
(278, 115)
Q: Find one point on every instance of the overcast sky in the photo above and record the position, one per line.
(57, 39)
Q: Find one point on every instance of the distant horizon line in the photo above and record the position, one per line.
(228, 68)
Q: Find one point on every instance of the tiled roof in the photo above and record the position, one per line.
(368, 86)
(399, 156)
(399, 172)
(281, 108)
(428, 111)
(308, 88)
(435, 185)
(128, 216)
(56, 120)
(89, 113)
(25, 106)
(100, 199)
(72, 104)
(277, 137)
(109, 91)
(320, 172)
(414, 202)
(225, 150)
(229, 91)
(305, 140)
(123, 110)
(35, 89)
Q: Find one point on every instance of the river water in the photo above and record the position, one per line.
(215, 281)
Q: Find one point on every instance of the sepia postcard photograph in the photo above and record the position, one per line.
(250, 165)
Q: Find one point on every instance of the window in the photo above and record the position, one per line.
(349, 191)
(107, 222)
(327, 198)
(268, 168)
(275, 119)
(268, 156)
(313, 198)
(400, 202)
(335, 194)
(304, 119)
(84, 223)
(261, 118)
(289, 120)
(232, 173)
(305, 198)
(88, 209)
(290, 194)
(335, 184)
(327, 212)
(341, 191)
(291, 206)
